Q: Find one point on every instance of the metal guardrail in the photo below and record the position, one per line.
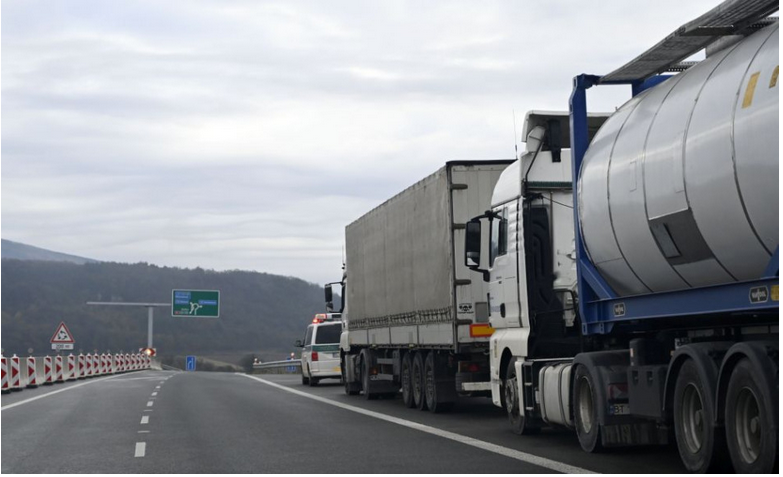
(288, 366)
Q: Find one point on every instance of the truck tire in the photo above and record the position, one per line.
(365, 373)
(586, 402)
(406, 380)
(351, 389)
(417, 381)
(750, 432)
(701, 447)
(516, 416)
(432, 395)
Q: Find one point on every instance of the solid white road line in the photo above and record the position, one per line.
(141, 448)
(69, 388)
(145, 420)
(504, 451)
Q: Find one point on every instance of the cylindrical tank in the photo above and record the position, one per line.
(679, 188)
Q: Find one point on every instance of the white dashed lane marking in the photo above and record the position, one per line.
(150, 403)
(145, 420)
(141, 449)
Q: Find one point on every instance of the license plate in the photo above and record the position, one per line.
(336, 369)
(619, 409)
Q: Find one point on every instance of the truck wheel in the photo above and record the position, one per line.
(516, 417)
(432, 396)
(351, 389)
(417, 383)
(406, 378)
(750, 432)
(588, 430)
(701, 448)
(365, 367)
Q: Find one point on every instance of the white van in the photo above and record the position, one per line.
(321, 349)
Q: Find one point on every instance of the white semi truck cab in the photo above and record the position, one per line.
(524, 246)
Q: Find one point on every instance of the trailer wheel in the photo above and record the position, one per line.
(434, 397)
(516, 415)
(406, 378)
(752, 437)
(588, 430)
(417, 382)
(701, 447)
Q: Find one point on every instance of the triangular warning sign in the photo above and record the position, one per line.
(62, 335)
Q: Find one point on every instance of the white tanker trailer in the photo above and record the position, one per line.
(652, 312)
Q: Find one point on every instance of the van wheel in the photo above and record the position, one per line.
(313, 382)
(305, 379)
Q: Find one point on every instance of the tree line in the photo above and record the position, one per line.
(260, 313)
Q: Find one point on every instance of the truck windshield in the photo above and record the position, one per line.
(328, 334)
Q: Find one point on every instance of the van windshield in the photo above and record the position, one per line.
(328, 334)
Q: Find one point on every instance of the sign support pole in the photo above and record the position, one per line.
(149, 326)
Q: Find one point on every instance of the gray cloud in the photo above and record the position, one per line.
(246, 135)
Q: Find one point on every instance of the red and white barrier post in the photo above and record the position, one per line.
(48, 374)
(58, 369)
(96, 364)
(32, 375)
(82, 365)
(72, 370)
(4, 370)
(16, 374)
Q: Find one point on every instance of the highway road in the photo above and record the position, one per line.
(177, 422)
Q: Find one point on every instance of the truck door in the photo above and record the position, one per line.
(503, 287)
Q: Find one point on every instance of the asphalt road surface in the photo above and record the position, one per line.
(176, 422)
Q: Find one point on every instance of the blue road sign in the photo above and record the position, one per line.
(190, 363)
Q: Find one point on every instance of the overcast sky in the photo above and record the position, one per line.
(247, 134)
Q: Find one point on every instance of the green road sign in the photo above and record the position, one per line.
(203, 303)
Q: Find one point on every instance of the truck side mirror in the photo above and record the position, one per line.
(328, 298)
(473, 244)
(328, 293)
(473, 247)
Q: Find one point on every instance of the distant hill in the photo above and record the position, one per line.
(21, 251)
(260, 313)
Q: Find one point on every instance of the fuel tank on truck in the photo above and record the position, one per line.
(679, 188)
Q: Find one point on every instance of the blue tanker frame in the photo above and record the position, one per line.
(600, 307)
